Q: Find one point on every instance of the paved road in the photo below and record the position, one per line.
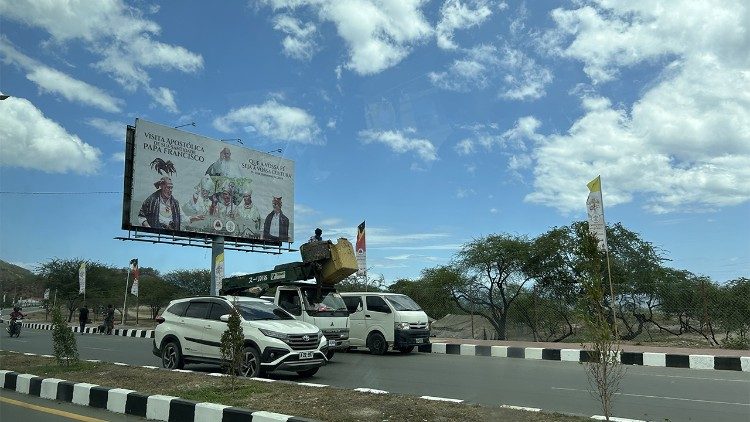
(22, 407)
(647, 392)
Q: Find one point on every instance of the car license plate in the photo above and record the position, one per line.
(331, 343)
(305, 355)
(418, 340)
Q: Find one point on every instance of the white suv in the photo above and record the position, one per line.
(189, 331)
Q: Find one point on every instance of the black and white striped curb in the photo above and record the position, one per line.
(211, 411)
(123, 332)
(729, 363)
(118, 400)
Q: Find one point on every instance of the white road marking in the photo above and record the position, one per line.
(612, 418)
(693, 378)
(312, 384)
(441, 399)
(370, 390)
(120, 364)
(528, 409)
(659, 397)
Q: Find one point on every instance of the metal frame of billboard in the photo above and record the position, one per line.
(179, 237)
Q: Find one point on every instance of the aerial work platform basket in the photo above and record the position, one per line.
(336, 259)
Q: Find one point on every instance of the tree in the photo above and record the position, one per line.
(61, 276)
(494, 270)
(432, 296)
(155, 293)
(63, 340)
(232, 347)
(355, 283)
(194, 282)
(604, 370)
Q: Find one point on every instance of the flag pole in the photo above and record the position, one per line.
(609, 270)
(125, 304)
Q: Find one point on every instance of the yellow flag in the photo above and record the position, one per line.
(595, 185)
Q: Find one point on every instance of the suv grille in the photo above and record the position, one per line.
(298, 342)
(418, 326)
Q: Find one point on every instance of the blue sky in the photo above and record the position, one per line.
(436, 122)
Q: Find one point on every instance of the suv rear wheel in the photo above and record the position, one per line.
(250, 363)
(171, 356)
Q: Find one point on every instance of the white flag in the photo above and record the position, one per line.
(136, 276)
(595, 209)
(46, 294)
(82, 278)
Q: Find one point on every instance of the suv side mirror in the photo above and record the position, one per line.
(224, 318)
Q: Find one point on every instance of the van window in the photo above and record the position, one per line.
(289, 301)
(377, 304)
(353, 303)
(197, 310)
(403, 303)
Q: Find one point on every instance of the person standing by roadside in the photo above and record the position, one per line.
(109, 319)
(83, 317)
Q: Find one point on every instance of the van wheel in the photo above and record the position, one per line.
(250, 366)
(171, 356)
(329, 354)
(377, 344)
(307, 373)
(406, 349)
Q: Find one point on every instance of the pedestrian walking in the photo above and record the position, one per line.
(83, 317)
(109, 319)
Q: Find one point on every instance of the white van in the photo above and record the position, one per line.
(322, 307)
(380, 321)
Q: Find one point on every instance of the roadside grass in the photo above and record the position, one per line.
(326, 403)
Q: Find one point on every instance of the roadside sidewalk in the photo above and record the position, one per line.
(672, 357)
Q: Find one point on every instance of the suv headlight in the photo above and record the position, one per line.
(401, 325)
(274, 334)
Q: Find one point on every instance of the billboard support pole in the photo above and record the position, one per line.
(217, 249)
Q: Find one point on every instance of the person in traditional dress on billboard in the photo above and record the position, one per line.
(161, 210)
(248, 214)
(276, 226)
(224, 166)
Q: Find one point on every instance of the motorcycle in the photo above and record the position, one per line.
(14, 328)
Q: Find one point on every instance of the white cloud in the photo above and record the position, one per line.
(31, 140)
(118, 157)
(457, 15)
(331, 123)
(299, 42)
(517, 75)
(472, 72)
(463, 193)
(378, 33)
(493, 211)
(523, 79)
(164, 97)
(114, 129)
(685, 143)
(274, 120)
(400, 143)
(119, 34)
(55, 82)
(465, 147)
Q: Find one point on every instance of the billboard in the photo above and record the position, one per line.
(181, 183)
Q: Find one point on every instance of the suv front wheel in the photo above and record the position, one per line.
(250, 363)
(171, 356)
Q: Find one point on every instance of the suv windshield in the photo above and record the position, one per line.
(323, 302)
(257, 311)
(402, 303)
